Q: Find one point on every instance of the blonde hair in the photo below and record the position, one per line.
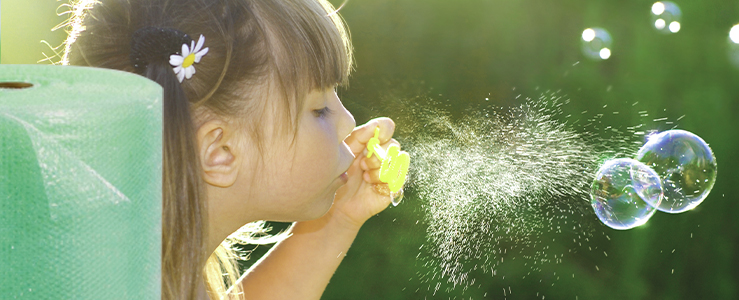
(295, 45)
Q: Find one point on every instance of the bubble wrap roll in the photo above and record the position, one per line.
(80, 184)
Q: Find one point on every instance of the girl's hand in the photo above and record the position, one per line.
(357, 200)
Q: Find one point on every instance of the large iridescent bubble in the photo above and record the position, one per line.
(622, 192)
(686, 166)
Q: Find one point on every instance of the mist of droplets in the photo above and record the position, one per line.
(494, 183)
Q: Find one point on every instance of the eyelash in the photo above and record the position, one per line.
(322, 112)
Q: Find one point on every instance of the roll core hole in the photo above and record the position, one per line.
(15, 85)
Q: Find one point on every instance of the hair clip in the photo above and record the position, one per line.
(183, 64)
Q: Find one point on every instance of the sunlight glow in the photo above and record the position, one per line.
(77, 10)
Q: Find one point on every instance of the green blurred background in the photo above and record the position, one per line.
(457, 53)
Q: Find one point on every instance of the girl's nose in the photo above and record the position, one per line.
(346, 122)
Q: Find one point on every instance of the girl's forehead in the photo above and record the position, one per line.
(319, 94)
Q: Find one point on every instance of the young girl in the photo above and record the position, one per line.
(253, 130)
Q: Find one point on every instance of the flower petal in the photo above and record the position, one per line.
(192, 46)
(200, 54)
(181, 76)
(188, 72)
(201, 40)
(178, 69)
(185, 51)
(176, 60)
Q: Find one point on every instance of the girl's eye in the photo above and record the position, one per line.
(320, 113)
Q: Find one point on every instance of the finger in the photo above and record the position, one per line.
(374, 162)
(371, 163)
(372, 176)
(387, 129)
(357, 140)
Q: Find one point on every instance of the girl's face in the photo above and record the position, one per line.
(298, 181)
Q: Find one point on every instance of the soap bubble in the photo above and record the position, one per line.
(622, 192)
(686, 166)
(666, 17)
(596, 43)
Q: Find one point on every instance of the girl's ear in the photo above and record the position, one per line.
(219, 157)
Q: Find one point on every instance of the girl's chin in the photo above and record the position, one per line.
(323, 207)
(317, 210)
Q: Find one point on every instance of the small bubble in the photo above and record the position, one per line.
(666, 17)
(596, 43)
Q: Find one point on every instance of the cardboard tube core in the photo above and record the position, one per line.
(15, 85)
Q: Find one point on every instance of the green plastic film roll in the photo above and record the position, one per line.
(80, 184)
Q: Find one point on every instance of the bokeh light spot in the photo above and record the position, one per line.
(605, 53)
(588, 35)
(674, 26)
(734, 34)
(733, 45)
(658, 8)
(659, 24)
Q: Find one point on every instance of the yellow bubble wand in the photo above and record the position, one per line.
(394, 166)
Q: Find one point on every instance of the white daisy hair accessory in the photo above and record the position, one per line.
(184, 64)
(166, 45)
